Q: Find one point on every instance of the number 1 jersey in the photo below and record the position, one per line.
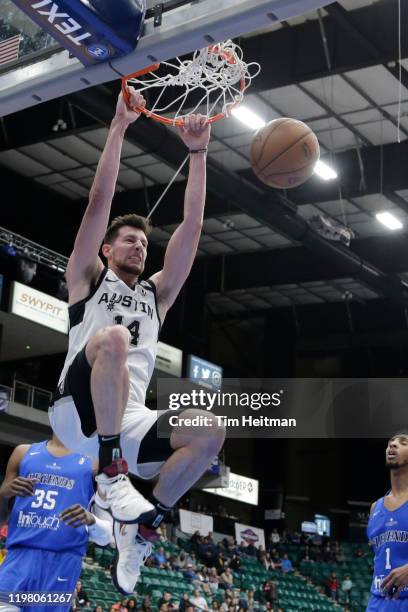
(61, 482)
(112, 302)
(388, 536)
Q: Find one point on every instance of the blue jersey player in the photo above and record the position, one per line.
(388, 534)
(51, 487)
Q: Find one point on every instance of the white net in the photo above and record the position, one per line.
(212, 82)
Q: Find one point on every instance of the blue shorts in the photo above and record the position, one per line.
(381, 604)
(44, 571)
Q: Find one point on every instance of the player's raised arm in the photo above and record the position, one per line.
(84, 265)
(182, 247)
(13, 484)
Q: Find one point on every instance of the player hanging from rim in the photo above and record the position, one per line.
(387, 531)
(114, 323)
(50, 487)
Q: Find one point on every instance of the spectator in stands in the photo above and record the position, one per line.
(346, 587)
(274, 538)
(235, 563)
(243, 602)
(81, 596)
(195, 538)
(165, 599)
(287, 565)
(261, 553)
(98, 608)
(242, 548)
(251, 550)
(333, 585)
(132, 604)
(146, 605)
(198, 600)
(267, 562)
(226, 578)
(215, 605)
(189, 573)
(226, 604)
(160, 558)
(184, 602)
(232, 548)
(275, 559)
(252, 605)
(191, 559)
(219, 562)
(209, 559)
(340, 556)
(121, 606)
(270, 590)
(213, 580)
(203, 581)
(284, 538)
(173, 561)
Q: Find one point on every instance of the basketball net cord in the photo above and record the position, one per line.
(215, 77)
(219, 72)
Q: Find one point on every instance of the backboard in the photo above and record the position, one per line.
(44, 71)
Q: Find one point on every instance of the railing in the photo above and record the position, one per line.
(31, 396)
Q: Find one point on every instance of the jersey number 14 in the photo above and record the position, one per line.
(133, 328)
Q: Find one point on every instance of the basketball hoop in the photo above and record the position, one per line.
(212, 83)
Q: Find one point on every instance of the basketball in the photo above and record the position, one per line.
(284, 153)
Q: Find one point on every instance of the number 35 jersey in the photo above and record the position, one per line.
(61, 482)
(112, 302)
(388, 536)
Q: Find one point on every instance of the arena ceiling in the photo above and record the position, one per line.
(347, 90)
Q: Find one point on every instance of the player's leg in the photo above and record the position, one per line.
(98, 383)
(17, 577)
(107, 354)
(194, 448)
(58, 573)
(184, 456)
(16, 571)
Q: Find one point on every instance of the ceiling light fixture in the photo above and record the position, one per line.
(246, 116)
(387, 219)
(324, 171)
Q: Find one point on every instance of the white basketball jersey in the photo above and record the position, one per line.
(112, 302)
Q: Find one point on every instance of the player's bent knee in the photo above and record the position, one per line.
(210, 437)
(114, 342)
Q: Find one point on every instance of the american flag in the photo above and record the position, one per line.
(9, 49)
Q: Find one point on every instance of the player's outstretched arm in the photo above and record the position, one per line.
(84, 265)
(100, 531)
(14, 485)
(182, 247)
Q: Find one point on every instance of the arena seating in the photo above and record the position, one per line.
(295, 593)
(295, 590)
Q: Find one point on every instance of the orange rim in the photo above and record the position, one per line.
(166, 120)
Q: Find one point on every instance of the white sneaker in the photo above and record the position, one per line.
(133, 550)
(101, 510)
(125, 503)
